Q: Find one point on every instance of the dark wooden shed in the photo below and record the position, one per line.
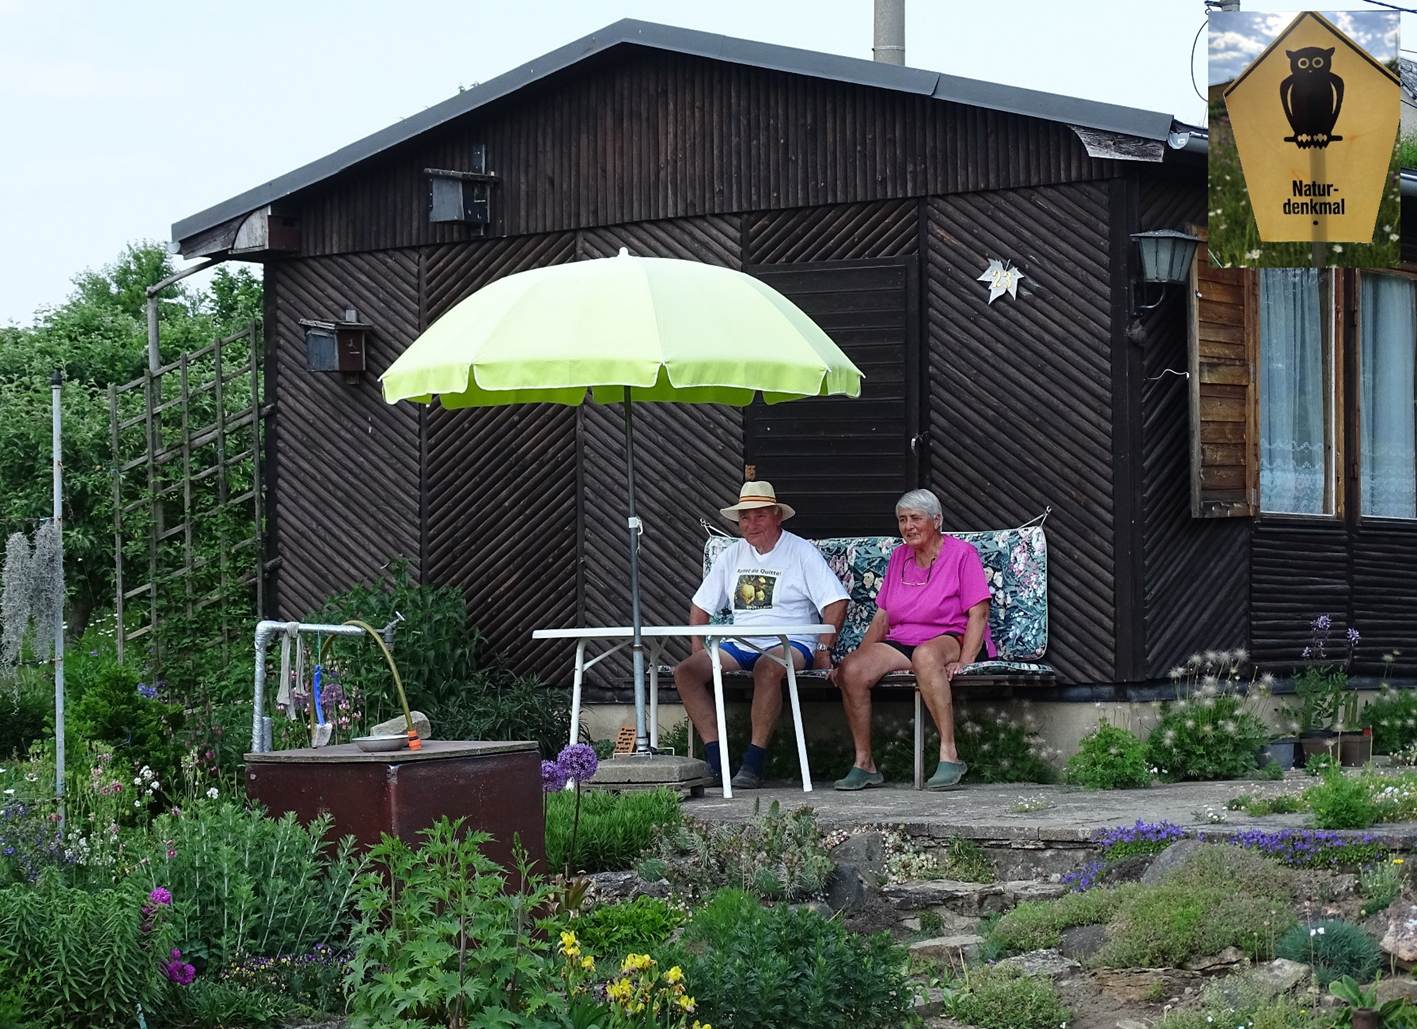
(873, 196)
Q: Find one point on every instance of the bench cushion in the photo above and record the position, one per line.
(1015, 563)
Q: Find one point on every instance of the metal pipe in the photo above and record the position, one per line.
(56, 386)
(633, 524)
(154, 354)
(265, 631)
(889, 32)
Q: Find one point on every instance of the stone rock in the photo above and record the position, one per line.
(867, 852)
(1082, 941)
(1400, 940)
(911, 924)
(611, 886)
(1127, 870)
(1042, 963)
(955, 949)
(961, 897)
(1280, 976)
(845, 890)
(817, 907)
(1212, 963)
(1031, 889)
(1394, 989)
(1140, 985)
(1170, 859)
(930, 1002)
(1132, 1023)
(398, 726)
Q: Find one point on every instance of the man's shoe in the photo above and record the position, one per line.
(747, 779)
(859, 779)
(947, 775)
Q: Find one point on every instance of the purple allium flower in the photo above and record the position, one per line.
(578, 762)
(1308, 652)
(1322, 623)
(146, 692)
(160, 895)
(553, 777)
(177, 970)
(1353, 636)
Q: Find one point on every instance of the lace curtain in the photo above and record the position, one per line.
(1388, 442)
(1293, 391)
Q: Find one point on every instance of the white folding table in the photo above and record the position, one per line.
(655, 637)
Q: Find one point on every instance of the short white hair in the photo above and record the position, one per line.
(925, 502)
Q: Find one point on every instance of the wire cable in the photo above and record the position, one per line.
(1392, 7)
(1204, 99)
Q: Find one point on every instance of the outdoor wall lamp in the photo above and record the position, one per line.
(1166, 256)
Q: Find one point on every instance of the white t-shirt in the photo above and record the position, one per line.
(790, 585)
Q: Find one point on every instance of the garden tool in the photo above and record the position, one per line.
(320, 730)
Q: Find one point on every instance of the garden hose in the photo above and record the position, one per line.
(414, 743)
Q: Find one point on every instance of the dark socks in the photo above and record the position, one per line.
(753, 758)
(712, 757)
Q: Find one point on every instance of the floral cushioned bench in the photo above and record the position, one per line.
(1016, 565)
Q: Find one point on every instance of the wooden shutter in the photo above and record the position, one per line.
(1224, 330)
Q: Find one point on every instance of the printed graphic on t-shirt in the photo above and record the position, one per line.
(754, 591)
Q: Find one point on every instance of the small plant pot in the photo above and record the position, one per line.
(1324, 741)
(1367, 1018)
(1282, 752)
(1355, 749)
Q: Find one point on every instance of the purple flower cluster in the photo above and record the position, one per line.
(575, 764)
(1310, 848)
(30, 841)
(1085, 877)
(1319, 630)
(178, 971)
(146, 692)
(159, 897)
(1151, 835)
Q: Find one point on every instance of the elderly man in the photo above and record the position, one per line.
(769, 577)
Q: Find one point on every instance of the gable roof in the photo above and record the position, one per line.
(1150, 125)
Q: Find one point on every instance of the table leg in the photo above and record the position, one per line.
(796, 714)
(653, 695)
(576, 691)
(919, 744)
(722, 719)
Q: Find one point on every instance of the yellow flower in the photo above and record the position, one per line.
(637, 963)
(700, 1025)
(569, 946)
(620, 990)
(674, 975)
(588, 962)
(686, 1003)
(1397, 861)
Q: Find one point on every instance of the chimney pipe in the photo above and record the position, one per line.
(890, 32)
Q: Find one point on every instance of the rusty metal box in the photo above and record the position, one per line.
(496, 786)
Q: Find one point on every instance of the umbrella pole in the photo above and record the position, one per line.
(633, 523)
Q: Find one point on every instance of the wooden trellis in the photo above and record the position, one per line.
(188, 508)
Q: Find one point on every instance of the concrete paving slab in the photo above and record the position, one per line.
(1073, 816)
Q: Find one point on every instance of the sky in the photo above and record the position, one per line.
(117, 120)
(1238, 38)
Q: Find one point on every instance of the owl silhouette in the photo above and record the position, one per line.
(1312, 96)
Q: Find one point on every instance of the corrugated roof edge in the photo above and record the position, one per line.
(973, 92)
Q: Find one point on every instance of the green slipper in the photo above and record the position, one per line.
(947, 776)
(859, 779)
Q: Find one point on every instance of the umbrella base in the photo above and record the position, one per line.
(651, 771)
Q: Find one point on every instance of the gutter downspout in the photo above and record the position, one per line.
(889, 45)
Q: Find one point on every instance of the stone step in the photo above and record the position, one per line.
(967, 898)
(952, 949)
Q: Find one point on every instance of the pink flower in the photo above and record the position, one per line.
(160, 894)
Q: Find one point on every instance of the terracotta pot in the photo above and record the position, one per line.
(1323, 741)
(1282, 751)
(1366, 1018)
(1355, 749)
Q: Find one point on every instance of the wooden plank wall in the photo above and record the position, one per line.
(1020, 406)
(644, 135)
(1195, 571)
(346, 465)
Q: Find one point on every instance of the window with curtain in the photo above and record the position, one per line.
(1296, 393)
(1387, 398)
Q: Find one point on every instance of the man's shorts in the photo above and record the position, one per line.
(747, 657)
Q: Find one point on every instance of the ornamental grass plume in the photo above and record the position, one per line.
(15, 600)
(47, 584)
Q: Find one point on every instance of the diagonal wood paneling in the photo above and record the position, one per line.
(1195, 570)
(1020, 411)
(501, 482)
(346, 476)
(688, 462)
(888, 228)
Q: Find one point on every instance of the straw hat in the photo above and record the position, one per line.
(754, 495)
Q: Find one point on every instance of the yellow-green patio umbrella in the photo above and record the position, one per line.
(622, 329)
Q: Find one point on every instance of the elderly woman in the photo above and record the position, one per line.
(932, 617)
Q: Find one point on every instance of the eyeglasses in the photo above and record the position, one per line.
(922, 582)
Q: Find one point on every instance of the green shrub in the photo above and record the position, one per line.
(783, 968)
(642, 925)
(1341, 802)
(1238, 868)
(1393, 716)
(141, 730)
(1379, 884)
(967, 861)
(775, 855)
(25, 712)
(440, 940)
(311, 982)
(83, 956)
(1206, 738)
(211, 1004)
(244, 884)
(615, 828)
(994, 998)
(1243, 999)
(1038, 924)
(1334, 948)
(1108, 758)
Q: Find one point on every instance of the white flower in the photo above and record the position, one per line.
(137, 803)
(31, 777)
(1252, 255)
(9, 793)
(213, 793)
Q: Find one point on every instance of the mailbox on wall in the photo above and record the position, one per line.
(336, 346)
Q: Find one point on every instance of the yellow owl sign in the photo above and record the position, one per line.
(1315, 121)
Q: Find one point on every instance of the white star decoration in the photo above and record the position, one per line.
(1002, 278)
